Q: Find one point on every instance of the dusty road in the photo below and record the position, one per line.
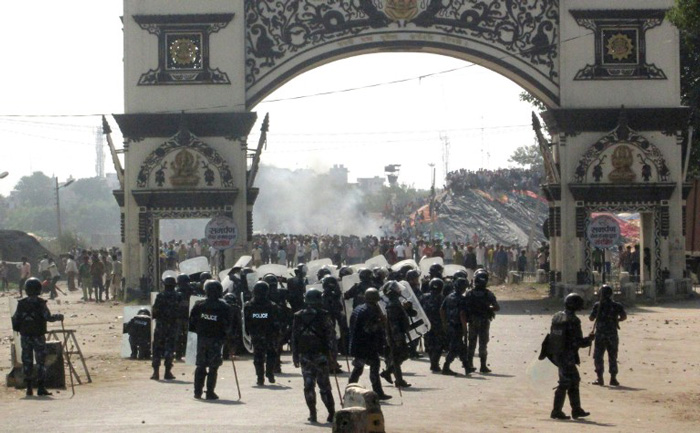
(659, 363)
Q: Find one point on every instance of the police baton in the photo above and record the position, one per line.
(67, 353)
(337, 384)
(235, 373)
(347, 336)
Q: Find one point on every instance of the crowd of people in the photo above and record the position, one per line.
(500, 180)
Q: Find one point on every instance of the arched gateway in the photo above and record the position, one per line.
(607, 70)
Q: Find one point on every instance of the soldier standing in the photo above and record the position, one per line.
(184, 290)
(481, 307)
(367, 340)
(435, 338)
(262, 322)
(165, 309)
(607, 315)
(398, 327)
(211, 320)
(296, 287)
(333, 304)
(565, 338)
(454, 323)
(357, 291)
(313, 337)
(30, 321)
(139, 330)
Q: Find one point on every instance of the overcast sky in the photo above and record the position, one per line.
(64, 59)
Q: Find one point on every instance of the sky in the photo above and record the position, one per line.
(61, 81)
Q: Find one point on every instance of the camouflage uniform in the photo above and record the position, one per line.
(367, 341)
(165, 310)
(211, 320)
(479, 303)
(30, 321)
(263, 324)
(435, 338)
(454, 310)
(607, 314)
(313, 337)
(398, 329)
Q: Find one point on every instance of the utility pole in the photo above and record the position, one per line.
(58, 203)
(100, 153)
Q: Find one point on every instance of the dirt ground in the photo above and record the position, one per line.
(659, 362)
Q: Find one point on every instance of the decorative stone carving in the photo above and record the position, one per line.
(185, 168)
(622, 160)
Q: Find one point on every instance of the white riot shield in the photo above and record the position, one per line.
(427, 262)
(168, 273)
(227, 284)
(278, 270)
(194, 265)
(419, 325)
(345, 284)
(129, 313)
(247, 341)
(191, 350)
(410, 262)
(313, 267)
(241, 263)
(450, 270)
(16, 343)
(251, 279)
(377, 261)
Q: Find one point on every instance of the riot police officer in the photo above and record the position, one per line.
(398, 327)
(313, 337)
(165, 313)
(481, 307)
(565, 338)
(357, 291)
(139, 330)
(233, 338)
(185, 291)
(434, 271)
(607, 315)
(30, 321)
(367, 340)
(454, 322)
(262, 323)
(296, 287)
(211, 320)
(278, 295)
(333, 304)
(435, 338)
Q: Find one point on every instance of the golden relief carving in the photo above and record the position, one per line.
(185, 168)
(620, 47)
(402, 10)
(622, 160)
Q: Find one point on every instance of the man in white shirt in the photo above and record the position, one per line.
(481, 255)
(400, 251)
(43, 268)
(71, 271)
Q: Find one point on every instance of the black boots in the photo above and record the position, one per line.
(446, 370)
(559, 397)
(41, 390)
(484, 368)
(168, 373)
(575, 401)
(156, 373)
(327, 398)
(599, 381)
(30, 391)
(386, 375)
(211, 384)
(260, 373)
(200, 373)
(470, 365)
(613, 380)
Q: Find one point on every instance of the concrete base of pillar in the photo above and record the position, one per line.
(350, 420)
(542, 277)
(670, 287)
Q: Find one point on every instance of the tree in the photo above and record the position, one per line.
(686, 16)
(528, 157)
(36, 190)
(528, 97)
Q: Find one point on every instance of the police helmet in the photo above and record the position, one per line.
(246, 271)
(412, 275)
(435, 269)
(183, 279)
(391, 288)
(329, 282)
(345, 271)
(32, 287)
(460, 274)
(481, 278)
(204, 276)
(301, 269)
(573, 301)
(169, 282)
(365, 274)
(436, 284)
(606, 291)
(372, 296)
(322, 273)
(213, 289)
(404, 270)
(270, 279)
(261, 290)
(313, 297)
(461, 284)
(144, 311)
(230, 298)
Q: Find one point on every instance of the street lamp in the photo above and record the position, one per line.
(3, 174)
(58, 205)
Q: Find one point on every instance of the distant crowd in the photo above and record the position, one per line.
(503, 179)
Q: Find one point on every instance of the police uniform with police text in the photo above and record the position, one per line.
(211, 320)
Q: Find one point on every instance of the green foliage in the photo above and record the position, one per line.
(528, 157)
(532, 100)
(36, 190)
